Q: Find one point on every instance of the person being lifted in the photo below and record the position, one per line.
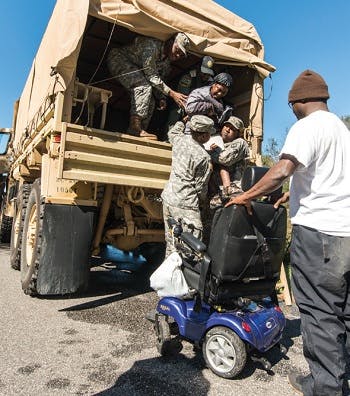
(195, 78)
(208, 100)
(142, 66)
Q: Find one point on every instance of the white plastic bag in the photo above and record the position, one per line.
(168, 280)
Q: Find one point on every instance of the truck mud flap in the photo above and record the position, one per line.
(66, 241)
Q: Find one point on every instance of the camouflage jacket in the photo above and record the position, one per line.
(187, 187)
(148, 54)
(190, 81)
(232, 156)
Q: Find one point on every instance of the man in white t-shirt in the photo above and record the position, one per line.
(316, 155)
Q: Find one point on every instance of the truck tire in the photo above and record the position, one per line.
(56, 242)
(17, 226)
(31, 240)
(5, 225)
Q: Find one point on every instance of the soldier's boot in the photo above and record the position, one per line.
(135, 128)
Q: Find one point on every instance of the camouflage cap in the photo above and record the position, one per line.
(207, 65)
(202, 124)
(182, 41)
(236, 122)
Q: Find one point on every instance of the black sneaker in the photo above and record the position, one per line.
(297, 381)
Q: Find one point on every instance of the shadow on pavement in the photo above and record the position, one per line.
(4, 246)
(116, 281)
(159, 376)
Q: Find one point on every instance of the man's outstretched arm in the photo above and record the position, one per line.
(273, 179)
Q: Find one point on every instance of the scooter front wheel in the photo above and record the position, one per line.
(224, 352)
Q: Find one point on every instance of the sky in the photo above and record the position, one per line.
(297, 35)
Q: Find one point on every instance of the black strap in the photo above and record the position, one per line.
(265, 253)
(203, 274)
(253, 259)
(197, 307)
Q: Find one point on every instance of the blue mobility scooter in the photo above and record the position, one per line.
(233, 310)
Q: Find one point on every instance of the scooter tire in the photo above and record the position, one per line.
(166, 345)
(224, 352)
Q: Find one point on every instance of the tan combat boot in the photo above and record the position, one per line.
(135, 128)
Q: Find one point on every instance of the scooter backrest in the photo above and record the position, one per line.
(252, 175)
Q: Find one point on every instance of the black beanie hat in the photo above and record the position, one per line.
(308, 85)
(224, 79)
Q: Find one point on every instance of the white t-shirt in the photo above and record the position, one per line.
(320, 186)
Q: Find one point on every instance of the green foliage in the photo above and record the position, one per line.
(346, 120)
(267, 160)
(271, 152)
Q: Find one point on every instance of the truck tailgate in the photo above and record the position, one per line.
(94, 155)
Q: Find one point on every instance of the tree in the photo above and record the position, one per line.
(346, 120)
(271, 152)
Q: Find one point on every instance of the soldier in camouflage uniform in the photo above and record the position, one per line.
(142, 66)
(186, 191)
(194, 79)
(229, 162)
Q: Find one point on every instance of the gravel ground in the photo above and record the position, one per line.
(100, 344)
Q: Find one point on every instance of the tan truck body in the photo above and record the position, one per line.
(97, 184)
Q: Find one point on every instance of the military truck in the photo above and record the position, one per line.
(75, 179)
(5, 220)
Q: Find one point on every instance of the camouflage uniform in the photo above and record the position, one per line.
(232, 156)
(186, 191)
(193, 80)
(125, 62)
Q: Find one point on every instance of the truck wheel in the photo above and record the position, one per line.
(17, 226)
(224, 352)
(31, 240)
(5, 225)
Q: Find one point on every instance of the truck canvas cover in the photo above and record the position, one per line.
(212, 30)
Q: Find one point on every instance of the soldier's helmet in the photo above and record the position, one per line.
(207, 65)
(182, 41)
(202, 124)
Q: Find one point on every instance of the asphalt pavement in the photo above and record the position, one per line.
(99, 343)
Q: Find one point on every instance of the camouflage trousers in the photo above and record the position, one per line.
(191, 222)
(224, 194)
(134, 81)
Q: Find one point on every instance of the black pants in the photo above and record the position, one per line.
(320, 280)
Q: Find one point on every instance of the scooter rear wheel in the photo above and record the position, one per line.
(224, 352)
(166, 344)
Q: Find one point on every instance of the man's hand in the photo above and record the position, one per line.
(213, 147)
(241, 200)
(179, 98)
(282, 200)
(211, 111)
(162, 104)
